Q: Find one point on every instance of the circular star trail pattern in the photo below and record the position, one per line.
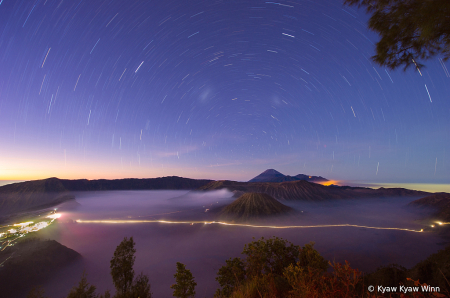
(212, 89)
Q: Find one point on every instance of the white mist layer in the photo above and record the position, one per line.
(203, 248)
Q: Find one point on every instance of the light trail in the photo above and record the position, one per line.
(240, 225)
(7, 259)
(440, 223)
(11, 242)
(443, 223)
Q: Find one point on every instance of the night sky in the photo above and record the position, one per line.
(212, 89)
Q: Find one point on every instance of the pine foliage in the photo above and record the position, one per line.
(411, 30)
(185, 283)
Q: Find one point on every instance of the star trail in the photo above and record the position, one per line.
(212, 89)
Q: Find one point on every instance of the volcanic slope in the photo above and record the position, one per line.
(440, 202)
(27, 195)
(32, 262)
(306, 191)
(253, 206)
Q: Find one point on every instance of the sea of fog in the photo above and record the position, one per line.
(203, 248)
(430, 187)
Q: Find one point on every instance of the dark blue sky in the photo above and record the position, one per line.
(212, 89)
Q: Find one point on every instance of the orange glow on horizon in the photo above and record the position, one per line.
(21, 165)
(36, 168)
(330, 182)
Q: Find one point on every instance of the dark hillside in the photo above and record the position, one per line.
(306, 191)
(440, 202)
(31, 262)
(28, 195)
(172, 182)
(433, 271)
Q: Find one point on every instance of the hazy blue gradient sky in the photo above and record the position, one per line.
(212, 89)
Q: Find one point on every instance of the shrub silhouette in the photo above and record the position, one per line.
(185, 286)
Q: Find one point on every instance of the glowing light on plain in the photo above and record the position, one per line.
(240, 225)
(24, 224)
(25, 228)
(54, 216)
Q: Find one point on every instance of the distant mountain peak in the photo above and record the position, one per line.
(269, 175)
(272, 172)
(272, 175)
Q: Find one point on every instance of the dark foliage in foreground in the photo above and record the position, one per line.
(185, 284)
(266, 262)
(276, 268)
(435, 271)
(410, 30)
(122, 274)
(83, 290)
(36, 292)
(122, 266)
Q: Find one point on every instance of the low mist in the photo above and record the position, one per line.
(203, 248)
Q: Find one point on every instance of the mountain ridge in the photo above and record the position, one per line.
(308, 191)
(24, 196)
(44, 193)
(439, 201)
(271, 175)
